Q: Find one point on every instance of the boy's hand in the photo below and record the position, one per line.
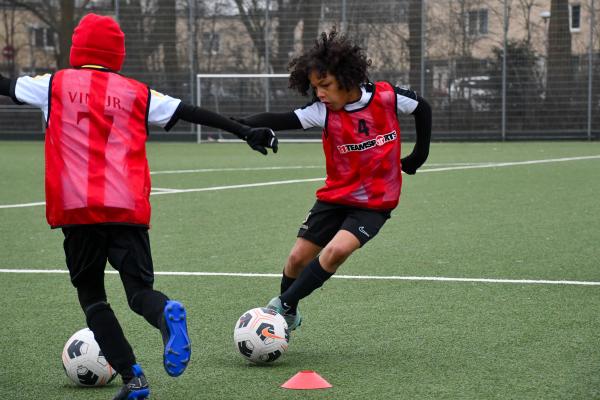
(410, 165)
(261, 139)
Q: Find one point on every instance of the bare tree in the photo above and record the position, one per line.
(525, 8)
(450, 29)
(209, 47)
(559, 91)
(288, 18)
(311, 17)
(253, 18)
(415, 47)
(165, 33)
(60, 17)
(288, 15)
(8, 22)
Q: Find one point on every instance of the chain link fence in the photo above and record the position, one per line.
(491, 69)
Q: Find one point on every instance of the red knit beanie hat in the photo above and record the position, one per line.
(98, 40)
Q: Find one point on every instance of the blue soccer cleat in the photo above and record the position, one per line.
(178, 347)
(137, 388)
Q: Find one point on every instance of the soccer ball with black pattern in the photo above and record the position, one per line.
(261, 335)
(83, 361)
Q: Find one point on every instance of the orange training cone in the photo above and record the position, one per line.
(306, 380)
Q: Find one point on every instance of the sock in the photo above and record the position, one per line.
(286, 282)
(312, 277)
(110, 337)
(150, 304)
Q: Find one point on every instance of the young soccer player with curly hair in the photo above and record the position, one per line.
(98, 187)
(361, 141)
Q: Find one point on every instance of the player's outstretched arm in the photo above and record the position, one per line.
(259, 139)
(275, 121)
(414, 160)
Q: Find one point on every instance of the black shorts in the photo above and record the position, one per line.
(127, 248)
(325, 219)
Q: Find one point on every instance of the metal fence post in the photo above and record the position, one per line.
(423, 20)
(344, 20)
(504, 48)
(590, 73)
(192, 51)
(267, 82)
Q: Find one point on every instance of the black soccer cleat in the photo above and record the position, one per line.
(137, 388)
(178, 347)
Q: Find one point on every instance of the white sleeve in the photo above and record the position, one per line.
(312, 115)
(162, 108)
(34, 91)
(406, 100)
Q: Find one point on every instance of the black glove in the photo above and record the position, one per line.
(410, 164)
(261, 139)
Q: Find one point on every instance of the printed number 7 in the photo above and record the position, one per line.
(104, 129)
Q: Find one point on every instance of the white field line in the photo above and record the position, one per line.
(193, 171)
(39, 203)
(272, 183)
(349, 277)
(156, 190)
(245, 185)
(201, 170)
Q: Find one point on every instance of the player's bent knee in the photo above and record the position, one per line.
(296, 260)
(335, 254)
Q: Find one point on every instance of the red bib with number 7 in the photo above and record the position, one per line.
(96, 166)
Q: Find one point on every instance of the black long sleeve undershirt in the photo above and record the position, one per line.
(275, 121)
(423, 117)
(7, 88)
(201, 116)
(289, 120)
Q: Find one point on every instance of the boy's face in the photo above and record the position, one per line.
(329, 92)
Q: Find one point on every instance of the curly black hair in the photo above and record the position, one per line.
(334, 54)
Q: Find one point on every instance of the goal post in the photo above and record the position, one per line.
(238, 95)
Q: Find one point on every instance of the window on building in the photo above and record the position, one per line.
(477, 22)
(210, 42)
(575, 20)
(42, 38)
(483, 22)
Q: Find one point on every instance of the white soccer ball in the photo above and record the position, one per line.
(84, 362)
(261, 335)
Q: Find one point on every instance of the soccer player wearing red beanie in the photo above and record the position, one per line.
(98, 186)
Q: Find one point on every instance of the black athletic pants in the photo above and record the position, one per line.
(127, 249)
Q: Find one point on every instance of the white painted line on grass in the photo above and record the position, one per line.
(191, 171)
(39, 203)
(510, 164)
(280, 168)
(156, 190)
(246, 185)
(249, 185)
(350, 277)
